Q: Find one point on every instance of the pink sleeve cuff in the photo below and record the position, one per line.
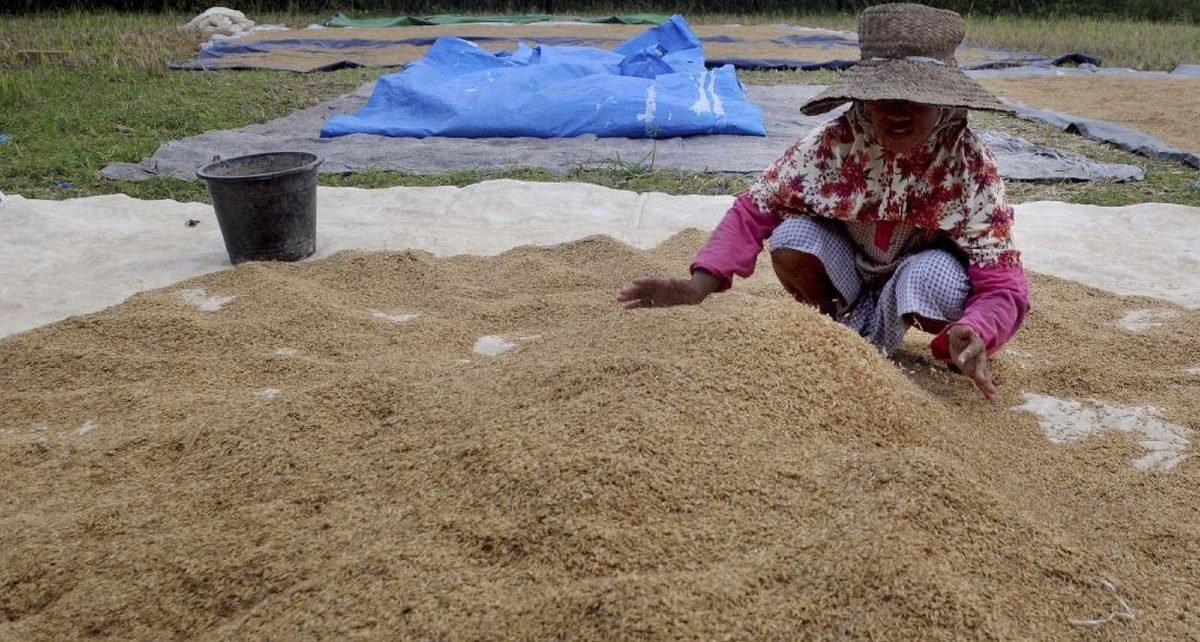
(735, 244)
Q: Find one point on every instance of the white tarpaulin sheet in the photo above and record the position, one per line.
(63, 258)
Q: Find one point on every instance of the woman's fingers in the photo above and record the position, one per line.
(982, 376)
(638, 289)
(976, 367)
(642, 293)
(972, 352)
(970, 355)
(628, 293)
(657, 293)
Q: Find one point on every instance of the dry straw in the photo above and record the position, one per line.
(907, 54)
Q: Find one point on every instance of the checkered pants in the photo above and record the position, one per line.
(930, 283)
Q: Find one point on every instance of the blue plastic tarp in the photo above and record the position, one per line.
(654, 85)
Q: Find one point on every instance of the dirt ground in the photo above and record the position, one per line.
(284, 452)
(1166, 108)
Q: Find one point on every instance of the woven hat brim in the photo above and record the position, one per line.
(918, 82)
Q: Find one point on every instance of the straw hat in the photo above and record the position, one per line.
(907, 54)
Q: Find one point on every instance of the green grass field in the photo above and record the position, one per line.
(103, 94)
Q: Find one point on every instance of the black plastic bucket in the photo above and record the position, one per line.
(266, 205)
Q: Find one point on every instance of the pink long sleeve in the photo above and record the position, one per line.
(733, 247)
(995, 310)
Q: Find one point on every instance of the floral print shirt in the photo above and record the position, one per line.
(951, 184)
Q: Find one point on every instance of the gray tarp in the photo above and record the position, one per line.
(743, 154)
(1127, 138)
(1182, 72)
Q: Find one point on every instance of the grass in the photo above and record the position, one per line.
(1120, 43)
(68, 122)
(109, 97)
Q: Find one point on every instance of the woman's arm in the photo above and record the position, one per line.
(732, 249)
(735, 244)
(999, 297)
(995, 310)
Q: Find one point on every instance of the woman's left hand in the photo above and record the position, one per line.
(968, 352)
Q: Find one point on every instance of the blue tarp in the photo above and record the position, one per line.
(654, 85)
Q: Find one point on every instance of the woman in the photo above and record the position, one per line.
(889, 216)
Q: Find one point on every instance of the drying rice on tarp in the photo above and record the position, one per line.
(1167, 108)
(305, 50)
(318, 451)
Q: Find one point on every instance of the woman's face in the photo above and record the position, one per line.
(900, 125)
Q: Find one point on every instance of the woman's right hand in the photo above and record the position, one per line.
(969, 353)
(657, 292)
